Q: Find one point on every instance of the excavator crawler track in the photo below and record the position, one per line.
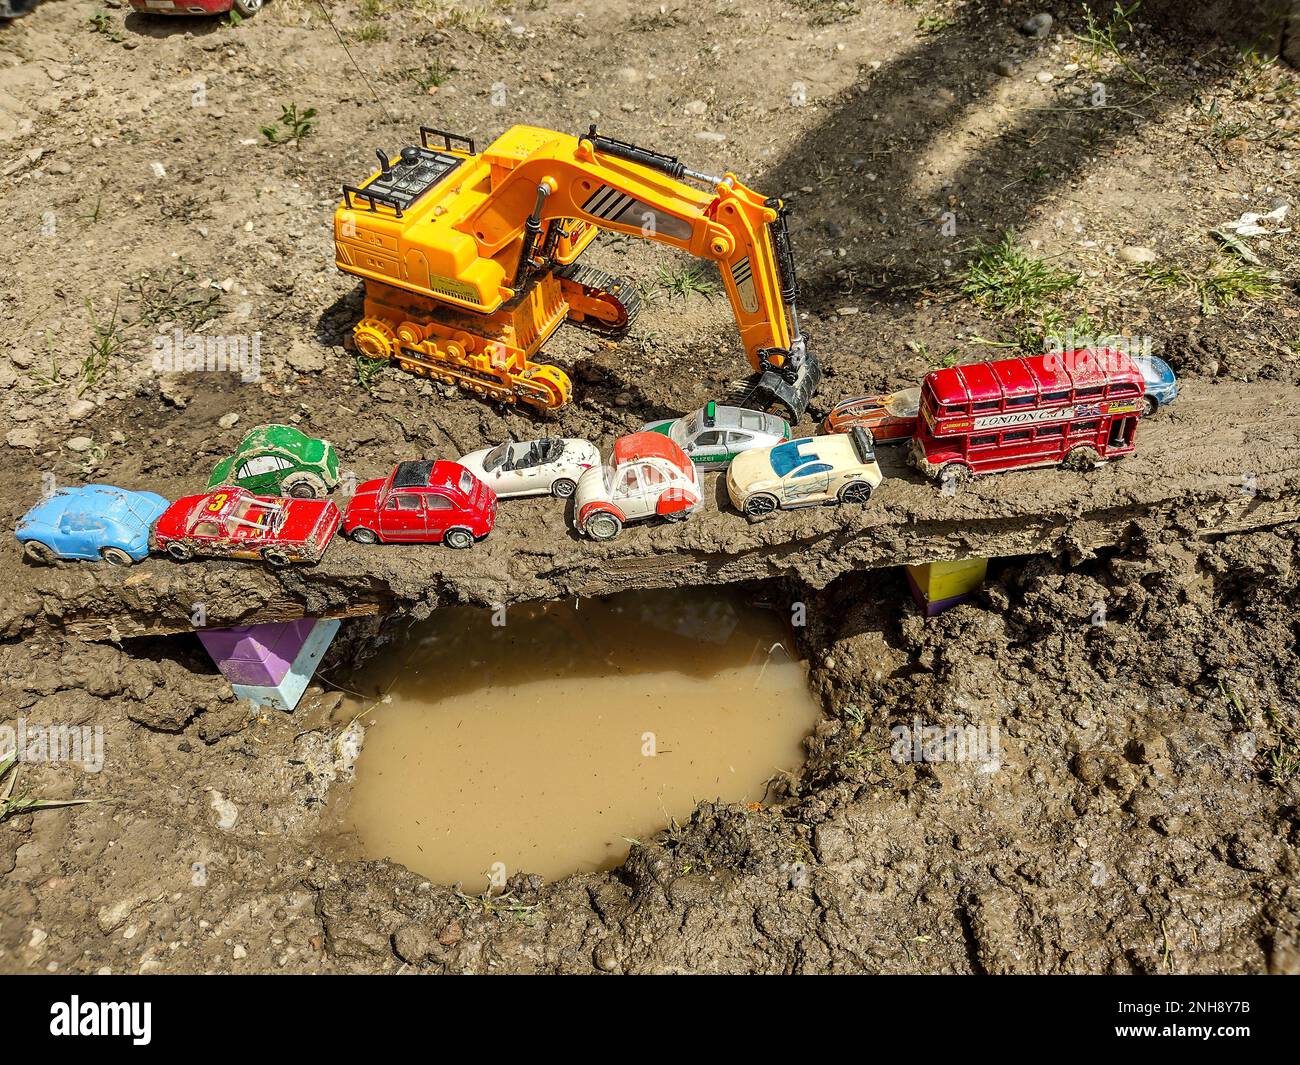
(606, 289)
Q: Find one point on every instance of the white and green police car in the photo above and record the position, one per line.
(715, 434)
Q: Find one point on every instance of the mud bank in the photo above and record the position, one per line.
(1140, 816)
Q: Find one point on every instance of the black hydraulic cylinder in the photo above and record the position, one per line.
(667, 164)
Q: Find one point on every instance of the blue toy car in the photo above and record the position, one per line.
(95, 521)
(1162, 385)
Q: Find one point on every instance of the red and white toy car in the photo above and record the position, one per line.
(648, 475)
(246, 8)
(423, 502)
(231, 522)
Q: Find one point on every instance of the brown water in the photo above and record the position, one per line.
(545, 744)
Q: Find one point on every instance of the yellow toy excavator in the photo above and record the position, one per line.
(470, 260)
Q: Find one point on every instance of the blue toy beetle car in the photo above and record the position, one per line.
(1162, 385)
(95, 521)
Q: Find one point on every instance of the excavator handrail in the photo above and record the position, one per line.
(447, 138)
(372, 197)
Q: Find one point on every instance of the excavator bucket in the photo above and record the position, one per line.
(782, 392)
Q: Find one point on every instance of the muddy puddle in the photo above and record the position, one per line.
(546, 743)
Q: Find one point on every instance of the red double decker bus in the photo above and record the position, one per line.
(1075, 408)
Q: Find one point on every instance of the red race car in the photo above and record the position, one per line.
(246, 8)
(231, 522)
(890, 417)
(422, 502)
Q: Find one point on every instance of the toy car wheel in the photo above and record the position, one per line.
(39, 552)
(180, 552)
(760, 505)
(857, 492)
(273, 556)
(1081, 459)
(1149, 405)
(563, 488)
(115, 556)
(458, 538)
(362, 535)
(304, 486)
(954, 473)
(602, 526)
(248, 7)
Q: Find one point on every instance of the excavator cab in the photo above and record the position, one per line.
(471, 259)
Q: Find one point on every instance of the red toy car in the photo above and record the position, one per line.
(247, 8)
(890, 417)
(231, 522)
(422, 502)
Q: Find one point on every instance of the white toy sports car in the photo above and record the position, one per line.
(533, 467)
(838, 468)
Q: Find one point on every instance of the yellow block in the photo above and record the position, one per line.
(943, 580)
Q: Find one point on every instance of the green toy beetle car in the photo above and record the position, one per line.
(280, 460)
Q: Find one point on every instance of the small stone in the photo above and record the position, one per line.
(239, 953)
(412, 943)
(1039, 25)
(710, 136)
(305, 358)
(227, 812)
(696, 107)
(22, 358)
(450, 935)
(80, 443)
(228, 421)
(1135, 253)
(834, 230)
(845, 312)
(59, 166)
(80, 409)
(1043, 76)
(1005, 68)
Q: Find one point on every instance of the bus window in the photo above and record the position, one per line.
(1092, 392)
(1021, 401)
(1051, 431)
(1055, 397)
(985, 404)
(1015, 435)
(1083, 428)
(983, 441)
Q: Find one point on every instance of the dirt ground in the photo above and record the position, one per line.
(1142, 817)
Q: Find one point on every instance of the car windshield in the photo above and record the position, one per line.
(253, 514)
(496, 457)
(904, 404)
(785, 457)
(685, 429)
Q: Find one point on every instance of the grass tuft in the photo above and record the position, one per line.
(1005, 277)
